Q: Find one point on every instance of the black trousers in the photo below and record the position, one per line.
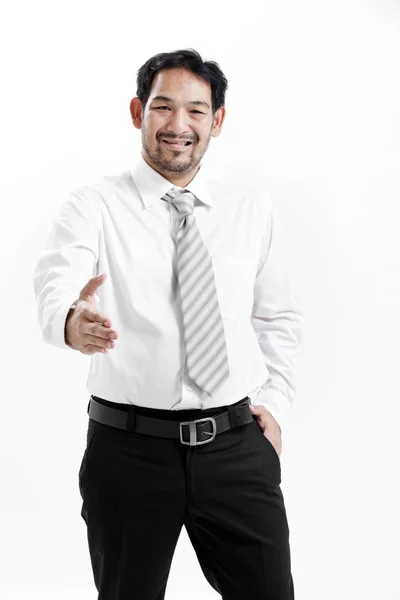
(138, 491)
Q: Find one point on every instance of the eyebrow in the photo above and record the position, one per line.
(166, 99)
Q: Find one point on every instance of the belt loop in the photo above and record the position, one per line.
(88, 406)
(130, 423)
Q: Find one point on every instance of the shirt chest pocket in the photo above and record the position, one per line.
(234, 279)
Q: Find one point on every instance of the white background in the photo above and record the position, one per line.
(313, 108)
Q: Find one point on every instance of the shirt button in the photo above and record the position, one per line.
(190, 387)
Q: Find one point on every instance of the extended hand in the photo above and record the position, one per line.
(270, 427)
(87, 329)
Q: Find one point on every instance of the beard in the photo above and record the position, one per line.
(174, 164)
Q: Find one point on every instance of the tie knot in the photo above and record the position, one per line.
(182, 199)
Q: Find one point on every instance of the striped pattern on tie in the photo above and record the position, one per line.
(204, 336)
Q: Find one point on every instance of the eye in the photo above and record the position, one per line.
(196, 111)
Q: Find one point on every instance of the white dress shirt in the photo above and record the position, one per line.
(121, 226)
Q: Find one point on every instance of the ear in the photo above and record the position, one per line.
(218, 121)
(136, 112)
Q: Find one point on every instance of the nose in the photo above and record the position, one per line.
(177, 123)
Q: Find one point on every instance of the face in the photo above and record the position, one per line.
(183, 115)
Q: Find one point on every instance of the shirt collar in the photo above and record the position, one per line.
(152, 186)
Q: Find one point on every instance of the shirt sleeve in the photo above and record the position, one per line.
(277, 320)
(67, 262)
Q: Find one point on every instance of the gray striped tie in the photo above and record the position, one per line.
(206, 354)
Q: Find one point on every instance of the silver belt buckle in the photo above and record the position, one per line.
(193, 432)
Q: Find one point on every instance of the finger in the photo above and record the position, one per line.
(98, 341)
(261, 424)
(94, 282)
(96, 317)
(258, 411)
(98, 330)
(92, 349)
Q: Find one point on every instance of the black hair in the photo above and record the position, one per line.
(187, 59)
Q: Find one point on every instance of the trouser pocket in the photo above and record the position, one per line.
(267, 441)
(91, 436)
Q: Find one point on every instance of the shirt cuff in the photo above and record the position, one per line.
(58, 326)
(275, 402)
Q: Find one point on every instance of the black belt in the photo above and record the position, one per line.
(191, 433)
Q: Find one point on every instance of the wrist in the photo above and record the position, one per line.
(69, 315)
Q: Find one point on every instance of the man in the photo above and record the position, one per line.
(193, 330)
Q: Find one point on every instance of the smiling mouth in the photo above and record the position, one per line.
(177, 145)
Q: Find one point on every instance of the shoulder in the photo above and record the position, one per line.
(252, 193)
(104, 190)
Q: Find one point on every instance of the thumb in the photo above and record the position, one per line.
(90, 288)
(256, 410)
